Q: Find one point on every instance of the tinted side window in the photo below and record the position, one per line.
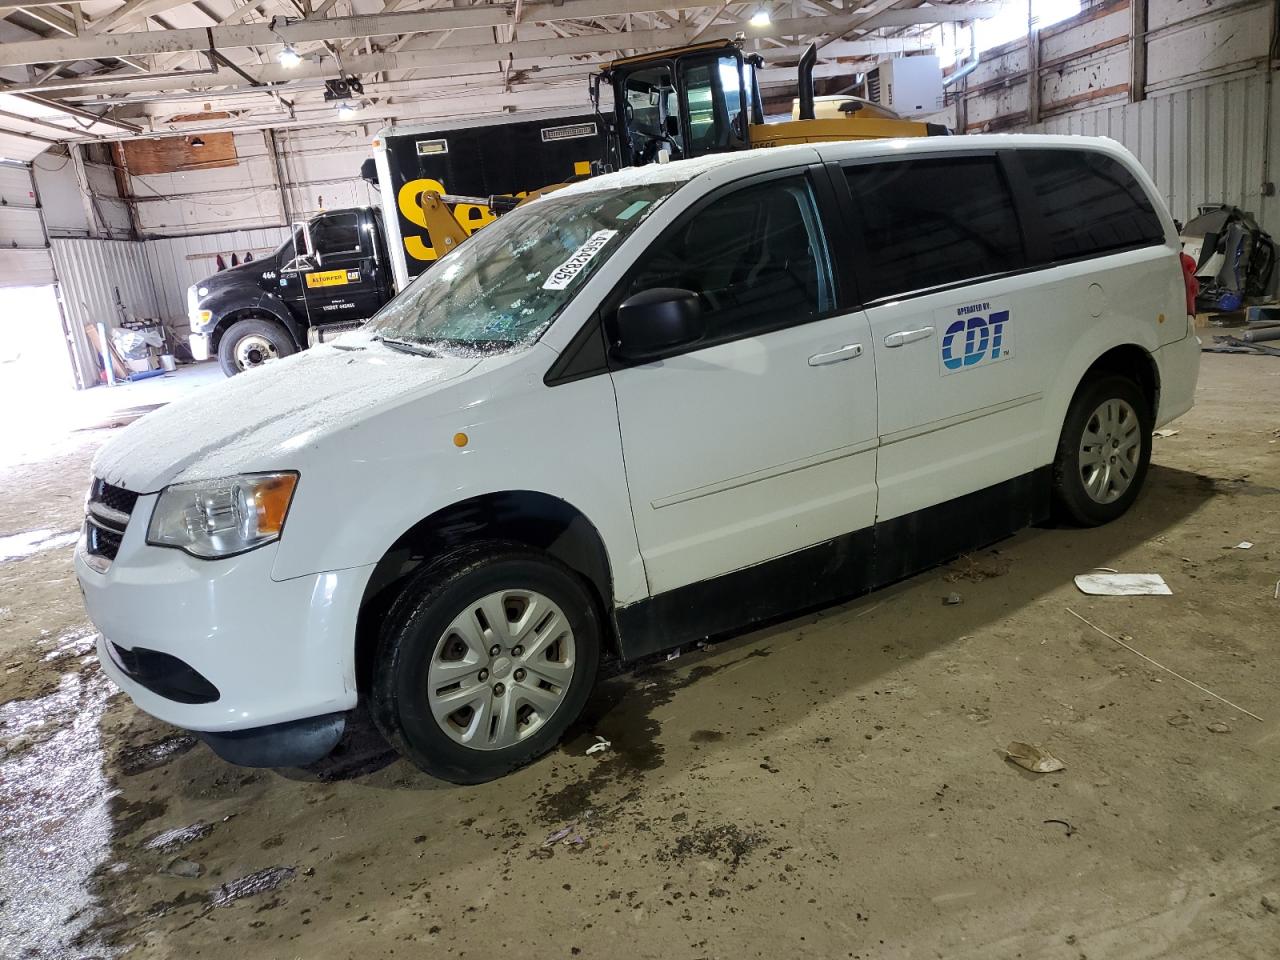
(756, 258)
(933, 221)
(1089, 203)
(337, 233)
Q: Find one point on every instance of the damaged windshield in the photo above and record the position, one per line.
(506, 284)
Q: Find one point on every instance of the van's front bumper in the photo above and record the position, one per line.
(220, 648)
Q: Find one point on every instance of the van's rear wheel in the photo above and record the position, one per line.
(252, 343)
(1104, 451)
(485, 661)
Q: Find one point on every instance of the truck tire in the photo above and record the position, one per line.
(1104, 451)
(485, 659)
(251, 343)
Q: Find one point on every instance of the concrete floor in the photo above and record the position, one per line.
(834, 786)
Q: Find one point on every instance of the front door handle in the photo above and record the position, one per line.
(847, 352)
(907, 336)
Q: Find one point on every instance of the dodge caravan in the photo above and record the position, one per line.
(652, 407)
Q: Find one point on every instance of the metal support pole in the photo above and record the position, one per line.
(279, 174)
(1137, 50)
(86, 192)
(1033, 70)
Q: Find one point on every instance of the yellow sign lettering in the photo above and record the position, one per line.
(327, 278)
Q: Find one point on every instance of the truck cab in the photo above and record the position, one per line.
(329, 276)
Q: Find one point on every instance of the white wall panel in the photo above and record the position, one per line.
(24, 257)
(1232, 41)
(176, 263)
(243, 196)
(60, 196)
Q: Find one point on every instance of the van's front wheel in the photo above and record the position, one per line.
(485, 661)
(1104, 451)
(251, 343)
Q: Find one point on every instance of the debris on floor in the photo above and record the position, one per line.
(1070, 829)
(951, 599)
(248, 886)
(1155, 663)
(1243, 545)
(1123, 585)
(1033, 757)
(600, 746)
(186, 869)
(172, 840)
(1165, 433)
(1218, 727)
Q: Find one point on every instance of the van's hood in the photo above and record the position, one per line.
(254, 420)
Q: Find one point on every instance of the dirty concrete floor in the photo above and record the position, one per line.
(833, 786)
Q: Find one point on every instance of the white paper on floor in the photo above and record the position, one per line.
(1123, 584)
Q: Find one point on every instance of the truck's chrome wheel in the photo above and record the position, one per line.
(254, 351)
(1110, 450)
(501, 669)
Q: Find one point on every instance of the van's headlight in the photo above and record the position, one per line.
(220, 518)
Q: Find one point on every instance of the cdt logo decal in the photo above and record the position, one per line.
(974, 335)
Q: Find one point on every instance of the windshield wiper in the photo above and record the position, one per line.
(408, 346)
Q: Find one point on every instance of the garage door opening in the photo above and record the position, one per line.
(34, 362)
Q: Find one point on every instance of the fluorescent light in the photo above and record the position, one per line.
(289, 57)
(760, 18)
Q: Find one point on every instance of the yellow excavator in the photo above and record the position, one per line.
(705, 98)
(687, 102)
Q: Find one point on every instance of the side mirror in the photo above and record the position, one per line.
(653, 322)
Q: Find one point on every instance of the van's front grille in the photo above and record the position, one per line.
(117, 498)
(109, 510)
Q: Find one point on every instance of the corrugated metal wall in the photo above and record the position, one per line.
(95, 278)
(178, 262)
(1208, 144)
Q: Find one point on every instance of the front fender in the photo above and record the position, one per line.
(365, 484)
(232, 305)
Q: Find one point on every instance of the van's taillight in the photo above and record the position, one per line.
(1190, 282)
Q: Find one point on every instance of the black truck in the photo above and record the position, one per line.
(336, 270)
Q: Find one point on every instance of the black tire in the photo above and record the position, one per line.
(1071, 496)
(268, 331)
(415, 630)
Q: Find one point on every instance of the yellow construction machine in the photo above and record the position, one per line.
(688, 102)
(705, 98)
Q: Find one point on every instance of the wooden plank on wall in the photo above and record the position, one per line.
(176, 154)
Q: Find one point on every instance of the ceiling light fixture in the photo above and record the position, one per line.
(348, 109)
(289, 57)
(760, 18)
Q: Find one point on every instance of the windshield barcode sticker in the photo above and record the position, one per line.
(563, 275)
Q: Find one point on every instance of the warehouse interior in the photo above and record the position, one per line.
(836, 784)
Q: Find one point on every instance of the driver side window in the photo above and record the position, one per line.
(336, 233)
(756, 258)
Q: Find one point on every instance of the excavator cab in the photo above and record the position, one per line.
(679, 103)
(705, 98)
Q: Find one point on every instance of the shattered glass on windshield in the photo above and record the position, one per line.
(505, 285)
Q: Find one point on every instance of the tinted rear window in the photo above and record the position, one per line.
(1090, 203)
(933, 221)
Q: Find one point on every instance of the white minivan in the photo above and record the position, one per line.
(655, 406)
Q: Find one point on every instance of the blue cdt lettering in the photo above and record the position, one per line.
(982, 337)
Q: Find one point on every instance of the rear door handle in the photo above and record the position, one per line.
(908, 336)
(847, 352)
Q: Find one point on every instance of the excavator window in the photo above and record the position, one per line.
(713, 104)
(652, 114)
